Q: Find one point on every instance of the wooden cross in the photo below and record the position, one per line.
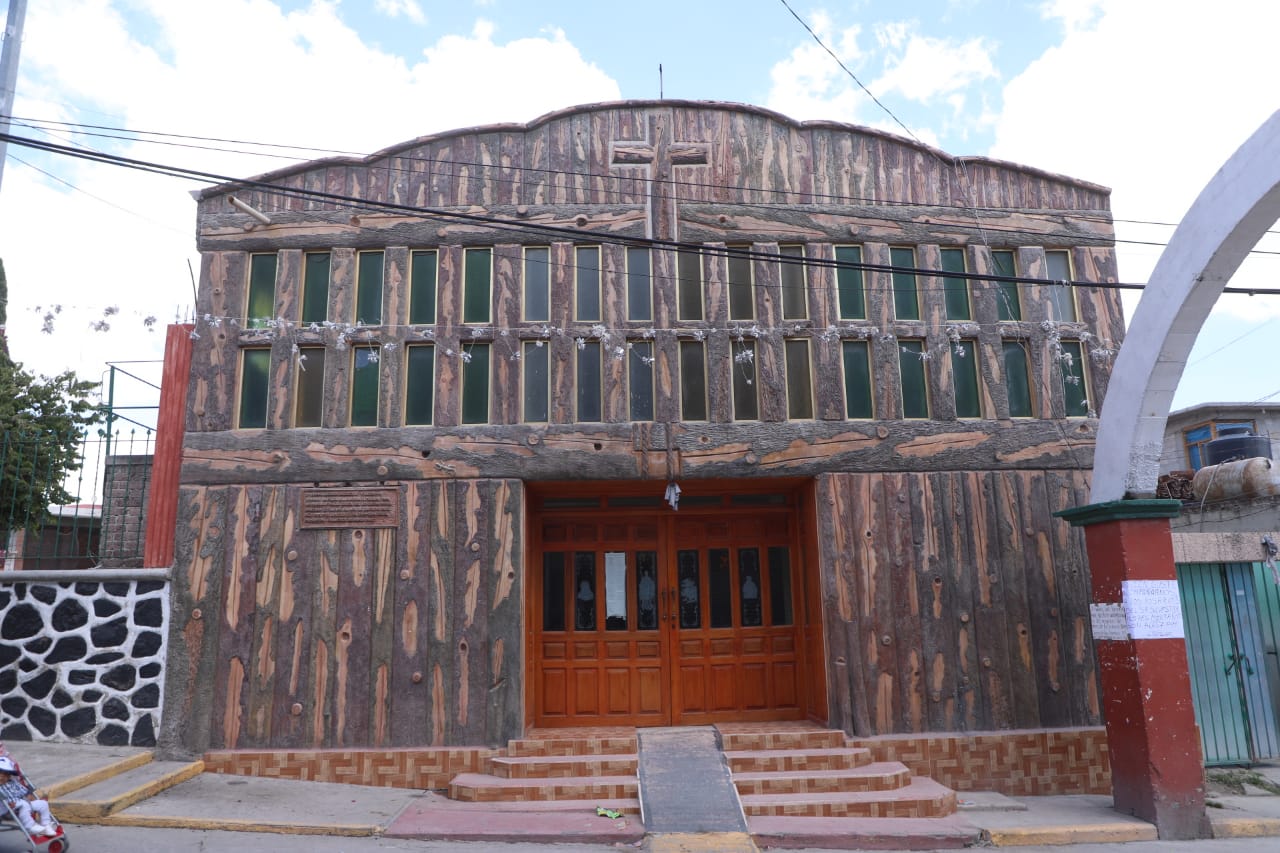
(660, 157)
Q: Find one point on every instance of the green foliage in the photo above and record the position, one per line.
(43, 421)
(4, 295)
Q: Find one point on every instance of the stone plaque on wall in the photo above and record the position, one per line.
(350, 507)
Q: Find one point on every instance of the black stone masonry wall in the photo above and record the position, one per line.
(82, 661)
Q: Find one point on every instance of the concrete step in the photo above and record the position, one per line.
(483, 788)
(122, 790)
(626, 805)
(922, 798)
(559, 766)
(734, 741)
(881, 776)
(574, 745)
(863, 833)
(796, 760)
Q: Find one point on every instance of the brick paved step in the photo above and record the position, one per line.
(796, 760)
(559, 766)
(626, 805)
(734, 741)
(483, 788)
(603, 745)
(864, 833)
(881, 776)
(922, 798)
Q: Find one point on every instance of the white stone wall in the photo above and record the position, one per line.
(82, 660)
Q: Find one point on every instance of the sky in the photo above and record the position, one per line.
(1148, 97)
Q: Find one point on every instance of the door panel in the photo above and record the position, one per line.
(659, 621)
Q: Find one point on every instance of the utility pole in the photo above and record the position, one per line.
(9, 70)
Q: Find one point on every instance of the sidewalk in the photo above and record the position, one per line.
(121, 786)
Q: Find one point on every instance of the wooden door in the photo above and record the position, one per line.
(652, 620)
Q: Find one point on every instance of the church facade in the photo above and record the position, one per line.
(642, 413)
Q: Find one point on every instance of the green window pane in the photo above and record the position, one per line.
(537, 299)
(852, 296)
(746, 405)
(689, 286)
(477, 289)
(964, 370)
(1062, 301)
(589, 381)
(364, 386)
(422, 287)
(639, 285)
(955, 288)
(587, 283)
(420, 384)
(536, 363)
(640, 380)
(742, 295)
(1017, 377)
(254, 379)
(315, 287)
(857, 379)
(693, 381)
(799, 380)
(262, 290)
(1008, 301)
(369, 289)
(906, 297)
(310, 384)
(475, 385)
(795, 302)
(1075, 392)
(915, 388)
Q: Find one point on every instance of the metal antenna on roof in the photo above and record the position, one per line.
(659, 81)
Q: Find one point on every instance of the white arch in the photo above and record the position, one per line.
(1226, 221)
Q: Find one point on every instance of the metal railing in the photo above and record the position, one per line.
(100, 519)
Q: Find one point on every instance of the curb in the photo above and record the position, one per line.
(708, 842)
(1026, 836)
(1245, 827)
(346, 830)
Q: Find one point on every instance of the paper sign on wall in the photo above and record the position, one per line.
(1109, 622)
(1153, 609)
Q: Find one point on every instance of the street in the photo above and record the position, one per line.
(110, 839)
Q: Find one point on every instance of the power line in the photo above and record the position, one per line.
(453, 166)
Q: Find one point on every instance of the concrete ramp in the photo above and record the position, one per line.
(685, 786)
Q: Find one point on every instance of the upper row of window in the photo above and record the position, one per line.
(477, 285)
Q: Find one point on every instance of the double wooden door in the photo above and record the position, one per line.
(665, 619)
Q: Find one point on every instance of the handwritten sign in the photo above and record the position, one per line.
(1109, 622)
(1153, 609)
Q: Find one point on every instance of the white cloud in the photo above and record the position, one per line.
(922, 68)
(808, 84)
(238, 69)
(1149, 98)
(395, 8)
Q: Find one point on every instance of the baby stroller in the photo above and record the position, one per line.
(55, 843)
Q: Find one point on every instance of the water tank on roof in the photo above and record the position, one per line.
(1236, 442)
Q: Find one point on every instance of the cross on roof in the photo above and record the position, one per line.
(660, 157)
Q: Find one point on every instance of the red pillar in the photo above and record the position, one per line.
(166, 461)
(1157, 769)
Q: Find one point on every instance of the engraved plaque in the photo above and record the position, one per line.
(350, 507)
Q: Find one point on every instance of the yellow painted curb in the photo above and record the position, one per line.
(1026, 836)
(710, 842)
(84, 780)
(92, 811)
(347, 830)
(1244, 827)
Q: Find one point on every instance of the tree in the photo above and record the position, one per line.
(43, 421)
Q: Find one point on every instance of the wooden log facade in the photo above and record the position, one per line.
(369, 493)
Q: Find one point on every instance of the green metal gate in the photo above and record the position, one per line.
(1231, 613)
